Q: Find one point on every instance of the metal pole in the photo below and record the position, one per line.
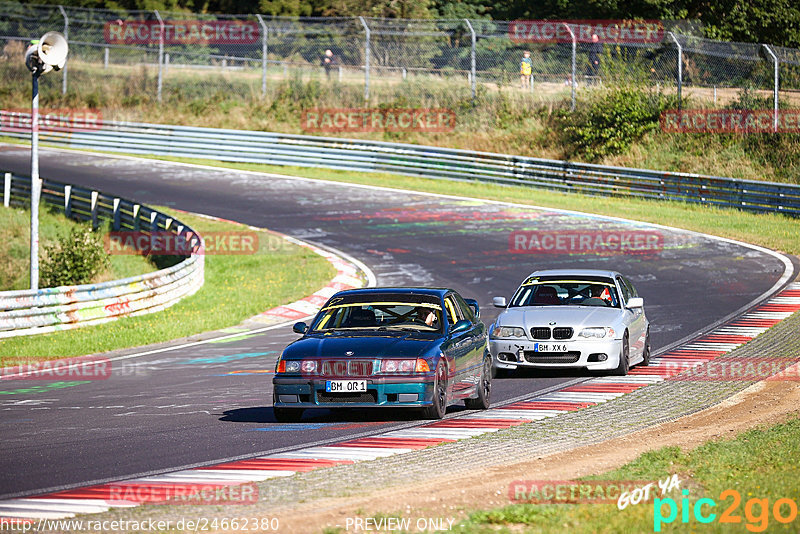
(366, 58)
(680, 67)
(264, 49)
(105, 57)
(36, 186)
(7, 190)
(574, 53)
(66, 36)
(776, 64)
(160, 53)
(472, 59)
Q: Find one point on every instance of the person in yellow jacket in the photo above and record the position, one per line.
(525, 70)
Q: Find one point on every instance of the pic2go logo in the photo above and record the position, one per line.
(756, 511)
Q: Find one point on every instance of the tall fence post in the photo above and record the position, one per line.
(160, 54)
(366, 57)
(105, 57)
(66, 36)
(680, 67)
(574, 54)
(36, 183)
(472, 59)
(776, 64)
(264, 50)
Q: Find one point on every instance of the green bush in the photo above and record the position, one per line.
(74, 259)
(609, 123)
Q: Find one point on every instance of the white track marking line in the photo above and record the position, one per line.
(11, 511)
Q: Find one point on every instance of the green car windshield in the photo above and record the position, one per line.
(383, 314)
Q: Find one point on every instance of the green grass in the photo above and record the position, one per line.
(236, 287)
(15, 252)
(774, 231)
(758, 464)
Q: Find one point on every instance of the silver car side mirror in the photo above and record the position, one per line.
(499, 302)
(635, 302)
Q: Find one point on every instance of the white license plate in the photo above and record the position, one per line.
(549, 347)
(346, 386)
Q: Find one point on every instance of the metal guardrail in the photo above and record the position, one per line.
(419, 160)
(45, 310)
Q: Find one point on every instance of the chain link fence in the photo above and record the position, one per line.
(146, 56)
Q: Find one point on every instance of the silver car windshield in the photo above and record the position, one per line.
(536, 292)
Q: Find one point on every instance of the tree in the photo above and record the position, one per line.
(285, 8)
(393, 9)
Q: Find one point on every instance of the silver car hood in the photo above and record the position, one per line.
(576, 317)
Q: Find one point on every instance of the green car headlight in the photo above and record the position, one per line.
(292, 366)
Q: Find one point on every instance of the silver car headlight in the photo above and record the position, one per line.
(505, 332)
(597, 332)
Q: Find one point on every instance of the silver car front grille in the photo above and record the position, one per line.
(544, 332)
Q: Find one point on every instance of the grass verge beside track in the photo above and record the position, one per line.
(774, 231)
(758, 464)
(236, 287)
(15, 224)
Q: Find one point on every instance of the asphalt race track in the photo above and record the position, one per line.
(212, 401)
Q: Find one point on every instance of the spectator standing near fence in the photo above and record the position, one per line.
(329, 61)
(595, 50)
(525, 70)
